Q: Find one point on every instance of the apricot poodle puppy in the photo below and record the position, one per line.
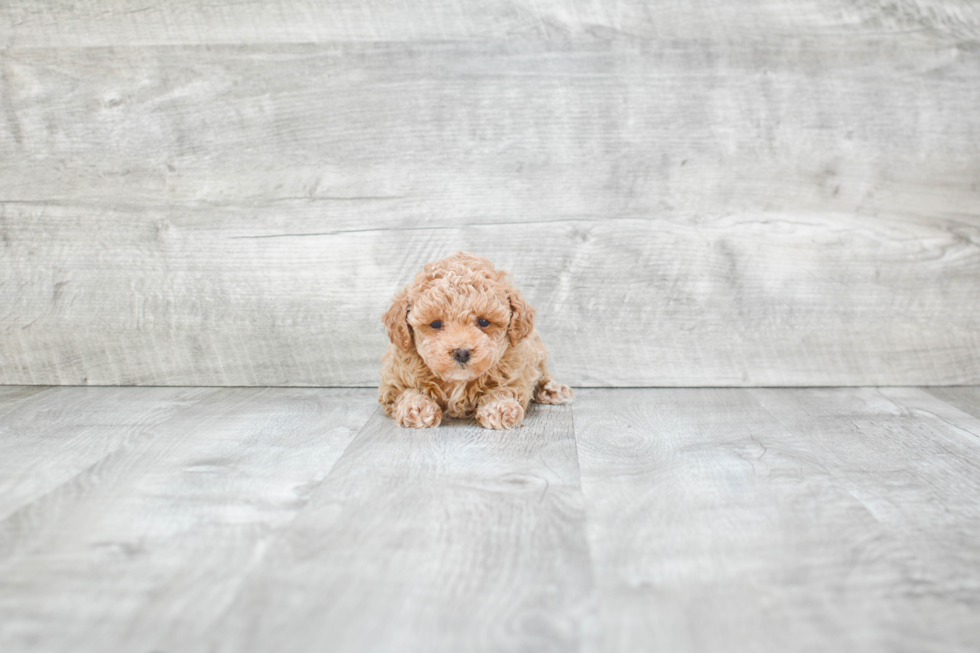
(463, 344)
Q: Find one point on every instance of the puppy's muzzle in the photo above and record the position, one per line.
(462, 356)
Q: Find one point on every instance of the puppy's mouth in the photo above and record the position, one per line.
(460, 372)
(461, 365)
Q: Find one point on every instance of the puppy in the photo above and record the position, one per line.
(463, 344)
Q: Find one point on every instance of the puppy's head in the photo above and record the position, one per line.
(461, 315)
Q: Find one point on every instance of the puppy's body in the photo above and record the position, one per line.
(463, 344)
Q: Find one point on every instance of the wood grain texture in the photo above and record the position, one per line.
(959, 410)
(448, 539)
(720, 194)
(918, 474)
(50, 437)
(32, 23)
(11, 396)
(741, 300)
(772, 520)
(270, 519)
(145, 549)
(966, 399)
(523, 130)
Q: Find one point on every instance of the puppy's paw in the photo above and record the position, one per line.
(553, 392)
(500, 414)
(415, 410)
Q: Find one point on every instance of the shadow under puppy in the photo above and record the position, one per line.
(463, 344)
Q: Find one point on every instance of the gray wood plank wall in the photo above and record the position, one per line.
(718, 193)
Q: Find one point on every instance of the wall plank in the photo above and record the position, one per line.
(526, 130)
(684, 207)
(33, 23)
(738, 300)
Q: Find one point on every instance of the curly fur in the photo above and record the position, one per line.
(422, 378)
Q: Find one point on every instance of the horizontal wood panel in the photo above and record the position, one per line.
(151, 298)
(685, 211)
(88, 23)
(524, 130)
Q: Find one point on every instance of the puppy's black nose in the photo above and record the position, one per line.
(461, 355)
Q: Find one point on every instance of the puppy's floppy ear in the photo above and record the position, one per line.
(396, 322)
(521, 317)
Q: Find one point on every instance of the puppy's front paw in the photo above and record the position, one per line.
(553, 392)
(415, 410)
(499, 414)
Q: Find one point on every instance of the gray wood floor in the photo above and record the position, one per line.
(299, 519)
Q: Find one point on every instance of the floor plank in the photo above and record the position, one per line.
(50, 436)
(448, 539)
(918, 474)
(144, 550)
(966, 399)
(716, 526)
(11, 396)
(262, 519)
(946, 413)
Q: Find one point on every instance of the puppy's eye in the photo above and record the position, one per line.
(436, 325)
(483, 322)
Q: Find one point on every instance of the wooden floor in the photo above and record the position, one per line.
(285, 519)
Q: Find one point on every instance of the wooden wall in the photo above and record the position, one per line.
(715, 193)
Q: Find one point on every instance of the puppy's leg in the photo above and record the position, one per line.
(550, 391)
(415, 409)
(500, 409)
